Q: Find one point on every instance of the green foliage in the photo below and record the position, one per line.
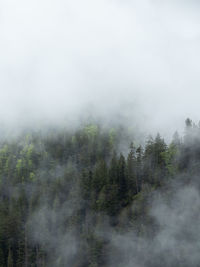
(168, 157)
(91, 130)
(73, 181)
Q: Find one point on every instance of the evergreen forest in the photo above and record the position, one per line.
(75, 198)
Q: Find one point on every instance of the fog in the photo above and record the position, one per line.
(137, 59)
(177, 241)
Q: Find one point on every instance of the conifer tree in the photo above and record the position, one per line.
(132, 178)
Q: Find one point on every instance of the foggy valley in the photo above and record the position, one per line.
(99, 133)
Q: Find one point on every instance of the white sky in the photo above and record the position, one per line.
(138, 58)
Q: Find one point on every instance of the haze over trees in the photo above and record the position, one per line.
(65, 196)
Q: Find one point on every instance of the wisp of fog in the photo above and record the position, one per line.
(69, 188)
(135, 58)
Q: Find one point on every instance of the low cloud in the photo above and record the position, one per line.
(138, 59)
(176, 240)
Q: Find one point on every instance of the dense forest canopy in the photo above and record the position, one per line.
(73, 198)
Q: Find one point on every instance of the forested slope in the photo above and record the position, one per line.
(66, 197)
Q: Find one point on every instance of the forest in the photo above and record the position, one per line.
(75, 198)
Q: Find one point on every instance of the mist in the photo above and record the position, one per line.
(136, 59)
(74, 192)
(176, 243)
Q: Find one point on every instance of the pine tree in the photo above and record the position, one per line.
(122, 181)
(132, 178)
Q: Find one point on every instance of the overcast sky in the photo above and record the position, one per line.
(139, 58)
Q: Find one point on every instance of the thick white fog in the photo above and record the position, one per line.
(138, 59)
